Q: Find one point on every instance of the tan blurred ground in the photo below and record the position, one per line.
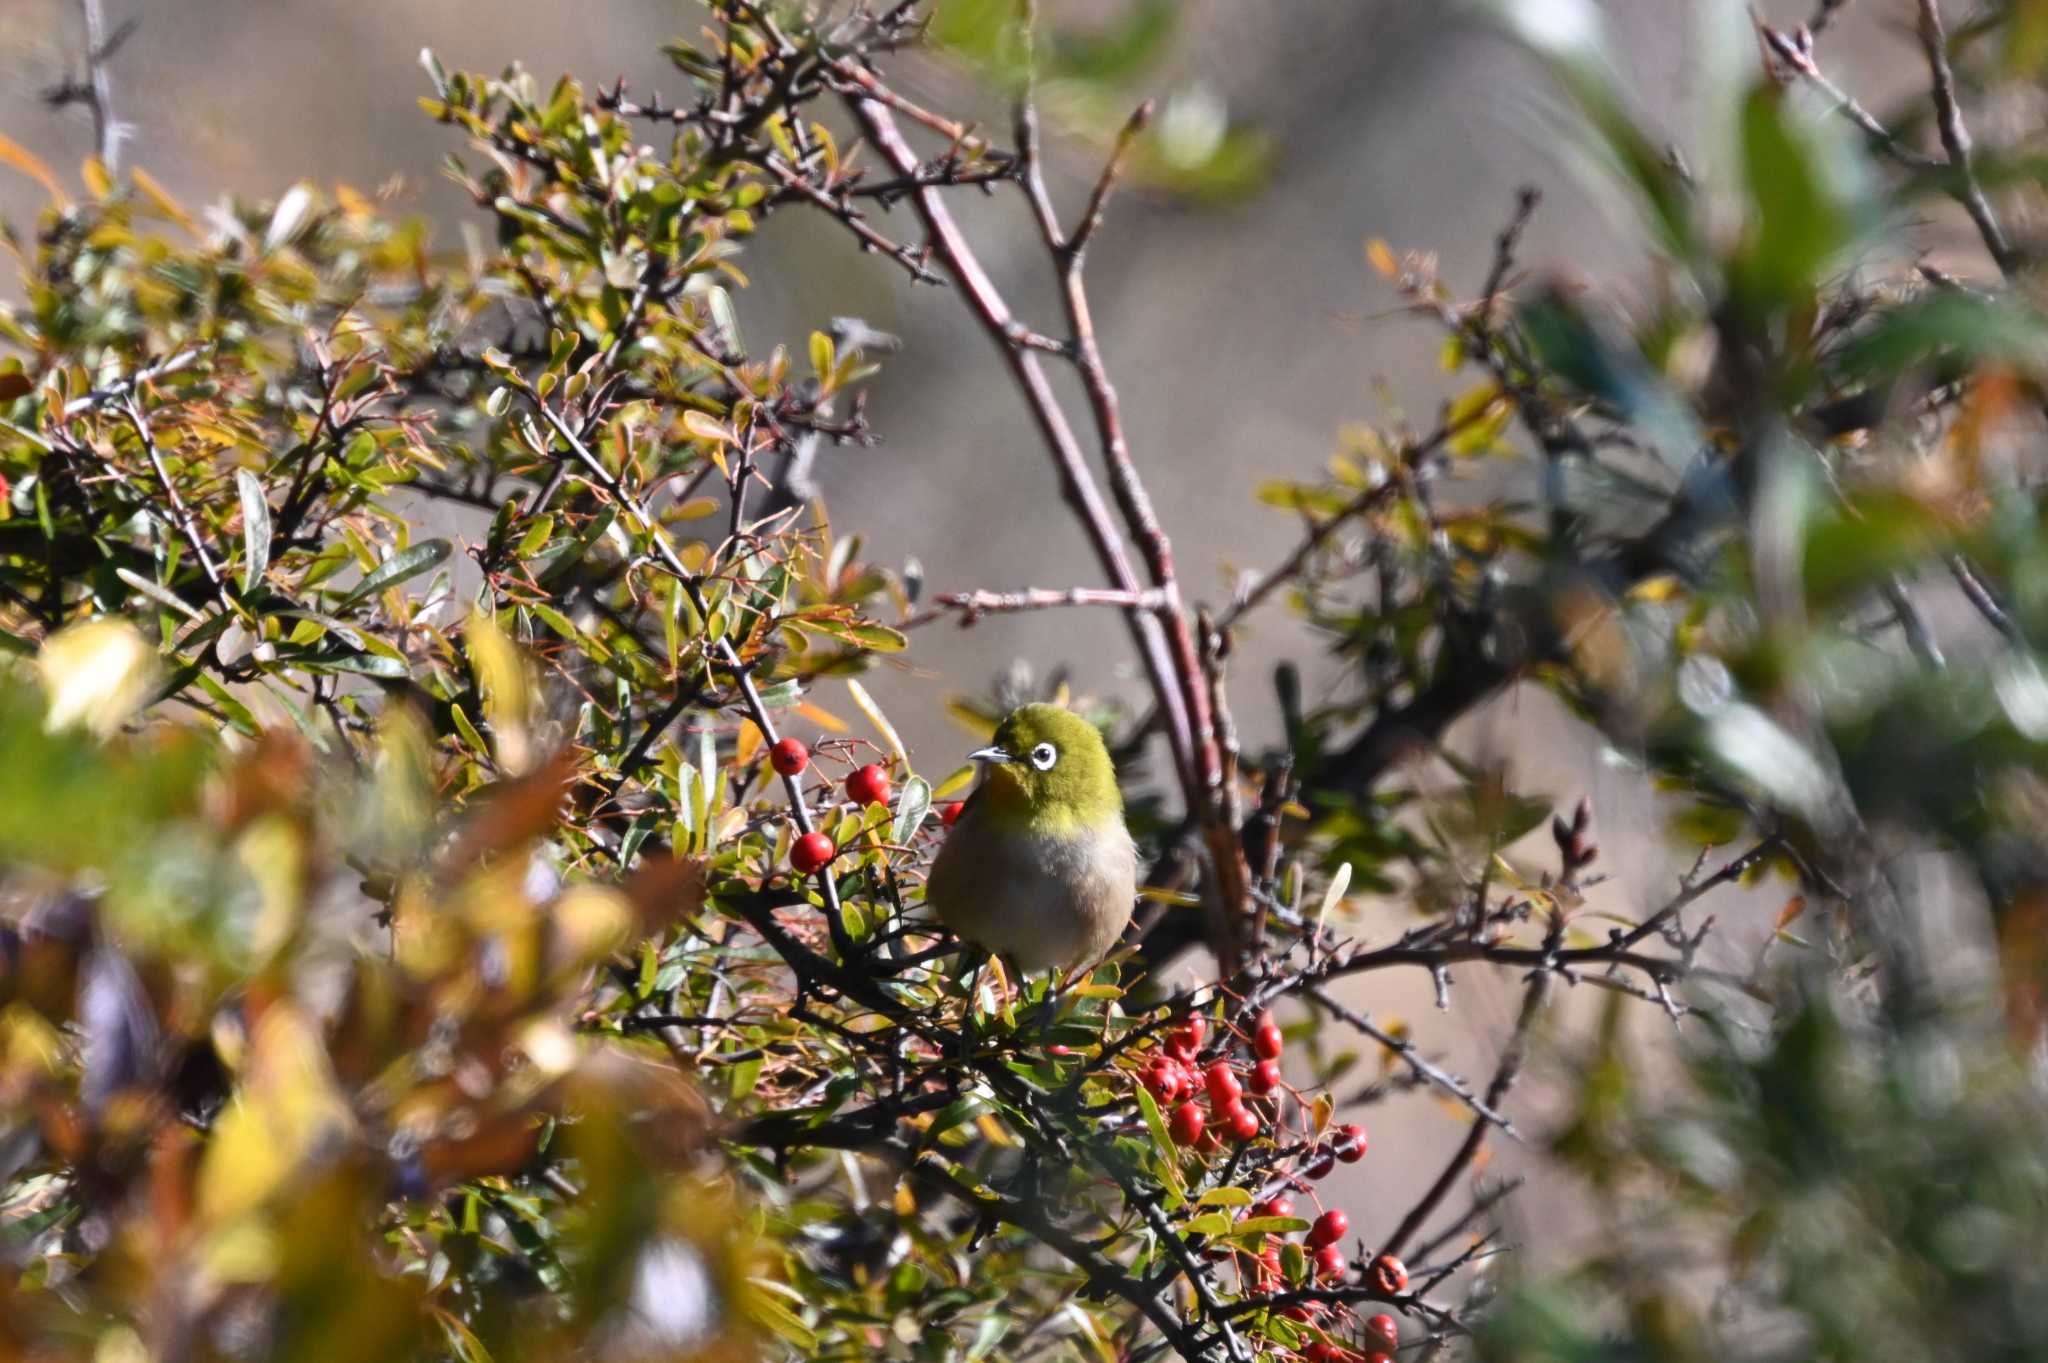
(1242, 338)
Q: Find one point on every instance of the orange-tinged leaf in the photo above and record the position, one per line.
(821, 717)
(1382, 259)
(94, 173)
(1794, 906)
(706, 427)
(12, 153)
(749, 742)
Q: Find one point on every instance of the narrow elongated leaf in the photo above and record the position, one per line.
(406, 563)
(255, 529)
(158, 593)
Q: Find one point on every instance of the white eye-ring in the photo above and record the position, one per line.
(1044, 755)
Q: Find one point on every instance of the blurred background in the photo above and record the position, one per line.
(1244, 330)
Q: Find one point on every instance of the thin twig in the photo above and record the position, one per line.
(1801, 61)
(973, 605)
(1955, 140)
(1504, 1076)
(1410, 1056)
(180, 515)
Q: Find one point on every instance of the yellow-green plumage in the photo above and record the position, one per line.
(1039, 865)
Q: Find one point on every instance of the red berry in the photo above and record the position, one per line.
(1377, 1356)
(1318, 1352)
(1059, 1050)
(1319, 1163)
(1242, 1121)
(1187, 1124)
(789, 757)
(1329, 1228)
(1267, 1043)
(811, 853)
(1269, 1260)
(1186, 1039)
(1389, 1275)
(1350, 1143)
(1161, 1081)
(868, 785)
(1274, 1206)
(1222, 1082)
(1265, 1076)
(1383, 1332)
(949, 812)
(1331, 1263)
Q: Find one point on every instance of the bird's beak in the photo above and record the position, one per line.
(990, 755)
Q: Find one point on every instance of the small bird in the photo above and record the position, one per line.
(1039, 865)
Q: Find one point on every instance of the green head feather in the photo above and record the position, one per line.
(1050, 772)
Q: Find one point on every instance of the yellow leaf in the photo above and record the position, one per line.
(1333, 894)
(12, 153)
(286, 1112)
(96, 674)
(1478, 417)
(161, 197)
(877, 718)
(97, 182)
(1382, 259)
(977, 724)
(501, 675)
(957, 782)
(1662, 587)
(589, 922)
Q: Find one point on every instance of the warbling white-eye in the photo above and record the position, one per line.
(1039, 866)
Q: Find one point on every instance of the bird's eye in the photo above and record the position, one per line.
(1044, 755)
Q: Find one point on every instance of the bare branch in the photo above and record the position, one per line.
(1955, 139)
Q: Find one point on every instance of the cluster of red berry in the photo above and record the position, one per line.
(868, 785)
(1176, 1082)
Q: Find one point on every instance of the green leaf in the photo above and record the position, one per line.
(158, 593)
(1950, 321)
(406, 563)
(1800, 220)
(766, 1311)
(911, 807)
